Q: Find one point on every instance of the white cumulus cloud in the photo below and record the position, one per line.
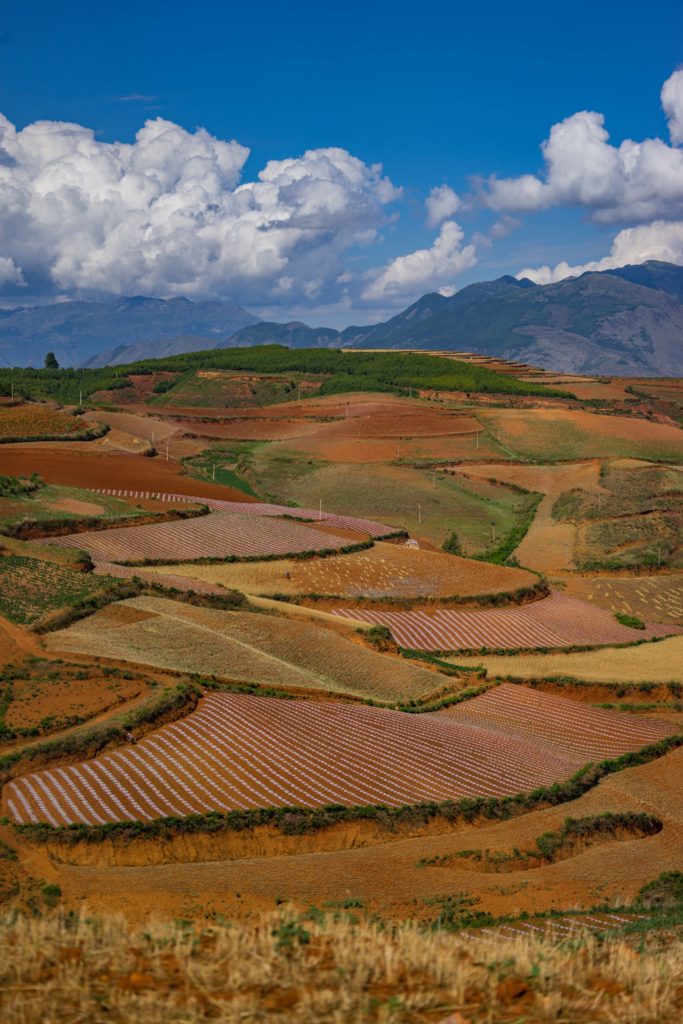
(168, 214)
(672, 102)
(634, 182)
(441, 203)
(661, 240)
(424, 270)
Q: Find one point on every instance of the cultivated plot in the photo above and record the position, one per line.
(556, 621)
(238, 752)
(216, 535)
(649, 663)
(386, 570)
(242, 646)
(656, 597)
(565, 727)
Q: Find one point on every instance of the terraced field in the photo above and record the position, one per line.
(261, 508)
(244, 647)
(648, 663)
(386, 570)
(216, 535)
(237, 752)
(565, 727)
(556, 621)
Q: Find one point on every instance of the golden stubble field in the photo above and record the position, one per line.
(385, 570)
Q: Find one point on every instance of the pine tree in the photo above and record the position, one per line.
(51, 361)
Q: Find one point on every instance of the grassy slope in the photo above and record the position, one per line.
(392, 494)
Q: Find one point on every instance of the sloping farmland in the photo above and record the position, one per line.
(242, 646)
(556, 621)
(263, 508)
(238, 752)
(216, 535)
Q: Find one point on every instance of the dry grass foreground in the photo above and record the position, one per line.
(661, 662)
(279, 966)
(241, 646)
(387, 570)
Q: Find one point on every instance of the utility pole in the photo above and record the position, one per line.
(320, 511)
(213, 473)
(167, 451)
(299, 387)
(80, 398)
(493, 532)
(419, 514)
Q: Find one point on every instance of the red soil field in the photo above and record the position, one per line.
(238, 752)
(216, 535)
(93, 470)
(556, 621)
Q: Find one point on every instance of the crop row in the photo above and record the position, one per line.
(217, 535)
(556, 621)
(262, 508)
(238, 752)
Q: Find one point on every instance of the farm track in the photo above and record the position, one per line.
(216, 535)
(557, 621)
(237, 752)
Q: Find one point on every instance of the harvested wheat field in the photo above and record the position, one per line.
(654, 663)
(241, 646)
(385, 570)
(556, 621)
(555, 434)
(659, 597)
(216, 535)
(237, 752)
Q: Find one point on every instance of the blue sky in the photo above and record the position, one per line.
(438, 94)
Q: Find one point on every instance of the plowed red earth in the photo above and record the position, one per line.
(557, 621)
(260, 508)
(92, 471)
(237, 752)
(216, 535)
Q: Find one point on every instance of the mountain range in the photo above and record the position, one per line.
(97, 333)
(627, 321)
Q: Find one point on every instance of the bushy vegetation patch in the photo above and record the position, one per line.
(342, 372)
(629, 620)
